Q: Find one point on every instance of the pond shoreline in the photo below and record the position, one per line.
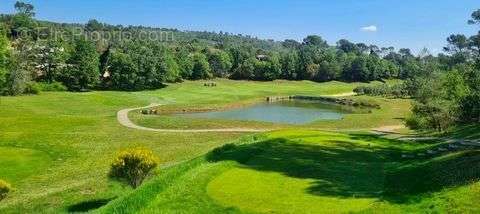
(329, 99)
(333, 100)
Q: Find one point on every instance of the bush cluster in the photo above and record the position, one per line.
(397, 90)
(5, 188)
(54, 86)
(32, 88)
(133, 166)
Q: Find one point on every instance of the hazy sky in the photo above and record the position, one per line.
(401, 23)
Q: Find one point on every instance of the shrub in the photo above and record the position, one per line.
(54, 86)
(133, 166)
(363, 102)
(32, 88)
(5, 188)
(397, 90)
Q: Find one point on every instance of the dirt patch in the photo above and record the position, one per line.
(389, 129)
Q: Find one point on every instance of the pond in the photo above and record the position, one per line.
(287, 112)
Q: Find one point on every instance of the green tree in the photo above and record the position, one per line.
(314, 40)
(123, 72)
(327, 71)
(363, 48)
(50, 58)
(358, 69)
(438, 101)
(329, 68)
(275, 66)
(24, 9)
(82, 71)
(169, 67)
(94, 25)
(290, 65)
(390, 69)
(4, 59)
(347, 46)
(470, 105)
(457, 44)
(21, 69)
(291, 44)
(201, 68)
(184, 62)
(308, 60)
(267, 70)
(475, 18)
(220, 63)
(245, 71)
(239, 55)
(23, 23)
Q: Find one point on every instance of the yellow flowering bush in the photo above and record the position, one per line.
(5, 188)
(133, 166)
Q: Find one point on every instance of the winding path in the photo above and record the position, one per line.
(122, 117)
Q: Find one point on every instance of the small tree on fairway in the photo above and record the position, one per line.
(133, 165)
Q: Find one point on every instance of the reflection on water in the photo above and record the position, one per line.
(289, 112)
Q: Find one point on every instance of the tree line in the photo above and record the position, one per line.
(448, 93)
(81, 62)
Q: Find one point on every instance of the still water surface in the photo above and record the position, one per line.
(288, 112)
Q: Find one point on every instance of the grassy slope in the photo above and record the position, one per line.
(313, 172)
(73, 137)
(471, 132)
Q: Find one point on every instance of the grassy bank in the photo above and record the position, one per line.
(313, 172)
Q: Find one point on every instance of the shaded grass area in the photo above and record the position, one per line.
(432, 175)
(471, 132)
(88, 205)
(297, 171)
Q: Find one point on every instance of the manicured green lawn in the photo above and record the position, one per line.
(313, 172)
(55, 148)
(17, 163)
(73, 137)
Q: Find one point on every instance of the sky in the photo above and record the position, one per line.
(413, 24)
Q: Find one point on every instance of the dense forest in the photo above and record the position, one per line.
(38, 55)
